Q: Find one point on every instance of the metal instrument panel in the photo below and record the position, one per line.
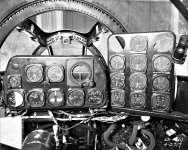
(55, 82)
(145, 65)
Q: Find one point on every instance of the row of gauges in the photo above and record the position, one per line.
(159, 102)
(55, 97)
(162, 43)
(138, 81)
(80, 73)
(138, 62)
(54, 73)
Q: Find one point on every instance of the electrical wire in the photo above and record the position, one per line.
(83, 121)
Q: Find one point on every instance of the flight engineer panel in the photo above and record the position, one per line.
(142, 71)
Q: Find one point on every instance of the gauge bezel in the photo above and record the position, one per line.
(134, 56)
(144, 43)
(37, 65)
(73, 90)
(140, 93)
(123, 95)
(89, 77)
(88, 96)
(57, 90)
(21, 92)
(138, 74)
(36, 105)
(161, 37)
(117, 55)
(14, 75)
(167, 97)
(117, 73)
(166, 77)
(158, 56)
(62, 69)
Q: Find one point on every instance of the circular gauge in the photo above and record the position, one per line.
(138, 43)
(81, 72)
(36, 99)
(56, 98)
(138, 62)
(138, 100)
(161, 83)
(75, 97)
(15, 99)
(34, 73)
(95, 97)
(117, 98)
(15, 81)
(138, 81)
(117, 62)
(117, 80)
(163, 43)
(55, 73)
(162, 63)
(160, 102)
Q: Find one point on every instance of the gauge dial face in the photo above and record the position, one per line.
(117, 98)
(138, 100)
(117, 80)
(81, 72)
(36, 99)
(95, 97)
(34, 73)
(138, 62)
(162, 64)
(117, 62)
(138, 81)
(55, 73)
(163, 43)
(15, 81)
(138, 43)
(15, 99)
(75, 97)
(161, 83)
(160, 102)
(56, 98)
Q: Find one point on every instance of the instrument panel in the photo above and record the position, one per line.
(144, 62)
(55, 82)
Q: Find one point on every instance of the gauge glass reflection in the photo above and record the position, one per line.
(56, 98)
(161, 83)
(55, 73)
(162, 63)
(81, 72)
(34, 73)
(163, 43)
(75, 97)
(138, 62)
(15, 99)
(138, 81)
(117, 62)
(95, 97)
(15, 81)
(36, 99)
(117, 98)
(138, 100)
(138, 43)
(117, 80)
(160, 102)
